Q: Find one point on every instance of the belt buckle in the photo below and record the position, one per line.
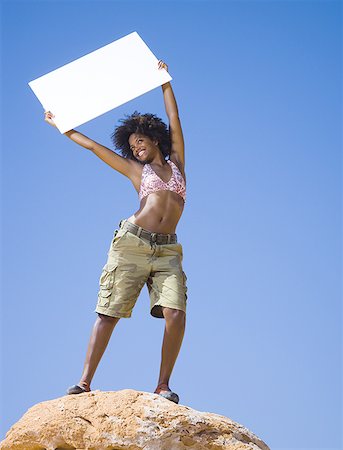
(153, 238)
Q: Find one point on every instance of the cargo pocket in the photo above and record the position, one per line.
(106, 284)
(184, 276)
(117, 235)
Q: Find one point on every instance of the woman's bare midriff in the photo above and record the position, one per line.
(159, 212)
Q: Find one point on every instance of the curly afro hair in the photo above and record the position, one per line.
(148, 124)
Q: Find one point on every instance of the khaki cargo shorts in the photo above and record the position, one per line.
(132, 262)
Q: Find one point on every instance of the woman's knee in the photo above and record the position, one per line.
(174, 315)
(107, 319)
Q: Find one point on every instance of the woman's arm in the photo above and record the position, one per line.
(125, 166)
(176, 136)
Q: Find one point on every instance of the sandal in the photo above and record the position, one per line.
(168, 394)
(76, 389)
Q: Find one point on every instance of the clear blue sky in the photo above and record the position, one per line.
(260, 100)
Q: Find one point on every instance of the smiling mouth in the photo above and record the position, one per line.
(140, 153)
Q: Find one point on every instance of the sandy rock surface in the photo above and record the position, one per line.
(126, 419)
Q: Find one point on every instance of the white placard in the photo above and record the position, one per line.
(99, 81)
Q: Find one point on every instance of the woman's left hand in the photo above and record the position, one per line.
(162, 65)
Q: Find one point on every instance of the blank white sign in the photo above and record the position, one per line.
(99, 81)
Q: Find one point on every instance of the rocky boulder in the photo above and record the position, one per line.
(127, 419)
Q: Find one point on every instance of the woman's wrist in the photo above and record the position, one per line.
(70, 132)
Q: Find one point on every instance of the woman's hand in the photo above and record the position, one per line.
(162, 65)
(48, 118)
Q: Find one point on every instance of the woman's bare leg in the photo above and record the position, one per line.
(172, 340)
(101, 333)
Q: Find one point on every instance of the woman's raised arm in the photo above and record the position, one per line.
(125, 166)
(176, 136)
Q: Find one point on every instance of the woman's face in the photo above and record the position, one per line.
(142, 147)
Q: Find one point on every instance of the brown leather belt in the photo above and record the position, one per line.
(157, 238)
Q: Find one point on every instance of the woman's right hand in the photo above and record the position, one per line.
(48, 118)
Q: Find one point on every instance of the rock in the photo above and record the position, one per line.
(126, 419)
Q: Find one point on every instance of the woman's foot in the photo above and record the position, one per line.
(164, 391)
(78, 388)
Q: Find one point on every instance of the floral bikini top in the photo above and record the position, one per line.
(151, 182)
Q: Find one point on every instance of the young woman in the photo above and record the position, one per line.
(144, 249)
